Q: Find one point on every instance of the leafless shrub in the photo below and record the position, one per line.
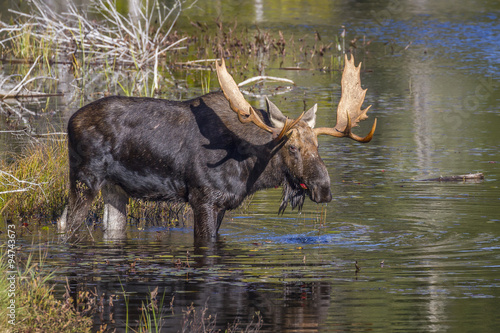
(131, 39)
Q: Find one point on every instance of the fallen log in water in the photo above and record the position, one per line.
(467, 177)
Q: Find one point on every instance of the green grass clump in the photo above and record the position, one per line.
(34, 187)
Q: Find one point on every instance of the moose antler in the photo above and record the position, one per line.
(349, 111)
(239, 104)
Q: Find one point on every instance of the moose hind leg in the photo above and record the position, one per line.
(115, 211)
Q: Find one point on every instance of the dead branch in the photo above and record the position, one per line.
(20, 89)
(265, 78)
(17, 183)
(125, 38)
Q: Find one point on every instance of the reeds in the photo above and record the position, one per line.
(194, 319)
(138, 41)
(38, 310)
(127, 38)
(153, 312)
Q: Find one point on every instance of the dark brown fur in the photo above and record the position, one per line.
(195, 151)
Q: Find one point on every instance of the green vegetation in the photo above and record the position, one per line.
(34, 186)
(193, 320)
(36, 308)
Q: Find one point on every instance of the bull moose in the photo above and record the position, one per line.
(211, 152)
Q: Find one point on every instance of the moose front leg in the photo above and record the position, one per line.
(207, 216)
(205, 222)
(115, 211)
(220, 217)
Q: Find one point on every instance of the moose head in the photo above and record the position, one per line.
(297, 140)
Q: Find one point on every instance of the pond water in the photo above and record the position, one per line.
(428, 252)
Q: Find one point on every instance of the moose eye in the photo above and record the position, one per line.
(292, 149)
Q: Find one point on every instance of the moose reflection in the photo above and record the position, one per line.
(219, 293)
(211, 152)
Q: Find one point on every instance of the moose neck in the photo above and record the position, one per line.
(268, 165)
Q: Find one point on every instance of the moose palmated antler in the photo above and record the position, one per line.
(239, 104)
(349, 112)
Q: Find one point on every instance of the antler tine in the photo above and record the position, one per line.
(289, 124)
(236, 100)
(353, 136)
(239, 104)
(349, 111)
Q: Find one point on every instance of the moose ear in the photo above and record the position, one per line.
(310, 116)
(275, 115)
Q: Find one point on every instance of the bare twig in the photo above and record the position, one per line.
(265, 78)
(17, 183)
(126, 38)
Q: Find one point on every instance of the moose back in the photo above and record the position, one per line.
(211, 151)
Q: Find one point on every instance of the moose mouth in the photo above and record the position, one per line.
(295, 191)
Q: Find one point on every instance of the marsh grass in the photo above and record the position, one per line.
(33, 188)
(28, 46)
(155, 311)
(37, 309)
